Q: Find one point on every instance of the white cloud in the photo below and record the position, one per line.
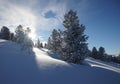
(29, 13)
(12, 15)
(50, 23)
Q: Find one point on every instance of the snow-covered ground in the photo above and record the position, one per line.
(39, 67)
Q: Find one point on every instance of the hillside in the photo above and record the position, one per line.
(35, 66)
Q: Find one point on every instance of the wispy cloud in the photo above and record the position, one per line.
(15, 12)
(12, 15)
(32, 13)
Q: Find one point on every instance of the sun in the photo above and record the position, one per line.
(32, 35)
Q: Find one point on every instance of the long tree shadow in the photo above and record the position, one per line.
(18, 66)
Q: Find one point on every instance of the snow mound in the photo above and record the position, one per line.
(35, 66)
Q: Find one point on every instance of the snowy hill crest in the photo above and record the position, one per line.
(37, 67)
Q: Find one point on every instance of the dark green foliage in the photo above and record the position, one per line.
(54, 41)
(94, 53)
(5, 33)
(12, 36)
(22, 38)
(101, 53)
(74, 40)
(117, 59)
(45, 45)
(38, 44)
(41, 45)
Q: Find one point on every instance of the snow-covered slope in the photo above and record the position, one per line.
(39, 67)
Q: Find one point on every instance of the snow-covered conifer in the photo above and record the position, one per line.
(19, 34)
(49, 45)
(41, 45)
(74, 44)
(94, 53)
(21, 37)
(101, 53)
(5, 33)
(38, 43)
(27, 40)
(54, 41)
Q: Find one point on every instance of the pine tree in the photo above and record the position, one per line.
(94, 53)
(54, 42)
(5, 33)
(49, 44)
(59, 42)
(101, 53)
(12, 36)
(21, 37)
(27, 42)
(19, 34)
(54, 39)
(74, 40)
(45, 45)
(118, 59)
(41, 45)
(38, 44)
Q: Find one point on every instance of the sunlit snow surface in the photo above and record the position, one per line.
(40, 67)
(44, 61)
(97, 63)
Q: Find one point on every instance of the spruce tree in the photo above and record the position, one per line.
(54, 41)
(45, 45)
(19, 34)
(22, 38)
(5, 33)
(27, 40)
(94, 53)
(74, 48)
(118, 59)
(38, 43)
(101, 53)
(49, 44)
(41, 45)
(12, 36)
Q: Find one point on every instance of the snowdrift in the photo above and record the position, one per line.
(35, 66)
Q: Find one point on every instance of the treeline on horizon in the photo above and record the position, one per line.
(71, 44)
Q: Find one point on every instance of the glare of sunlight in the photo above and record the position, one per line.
(32, 35)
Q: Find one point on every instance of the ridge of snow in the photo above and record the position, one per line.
(38, 67)
(97, 63)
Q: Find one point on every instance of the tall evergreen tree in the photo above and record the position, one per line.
(54, 41)
(27, 40)
(94, 53)
(49, 44)
(101, 53)
(45, 45)
(5, 33)
(12, 36)
(19, 34)
(75, 48)
(38, 44)
(118, 59)
(22, 38)
(41, 45)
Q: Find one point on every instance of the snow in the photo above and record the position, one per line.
(39, 67)
(97, 63)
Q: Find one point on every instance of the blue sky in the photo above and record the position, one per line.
(101, 18)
